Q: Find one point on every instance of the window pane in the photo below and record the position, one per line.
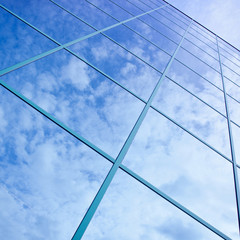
(131, 211)
(82, 98)
(48, 178)
(19, 41)
(186, 170)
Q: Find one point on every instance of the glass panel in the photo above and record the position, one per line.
(128, 7)
(229, 49)
(231, 57)
(103, 10)
(149, 25)
(186, 170)
(199, 66)
(56, 23)
(231, 75)
(119, 64)
(178, 15)
(232, 89)
(230, 64)
(204, 32)
(202, 54)
(202, 45)
(197, 85)
(80, 97)
(139, 46)
(131, 211)
(193, 115)
(156, 33)
(141, 5)
(234, 110)
(236, 141)
(210, 43)
(48, 178)
(169, 21)
(19, 41)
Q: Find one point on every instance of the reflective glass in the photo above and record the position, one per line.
(203, 31)
(105, 11)
(180, 17)
(19, 41)
(169, 21)
(198, 85)
(138, 45)
(121, 65)
(230, 64)
(57, 23)
(209, 42)
(234, 110)
(131, 211)
(193, 115)
(80, 97)
(186, 170)
(199, 66)
(202, 45)
(231, 75)
(236, 141)
(232, 89)
(202, 54)
(127, 6)
(48, 178)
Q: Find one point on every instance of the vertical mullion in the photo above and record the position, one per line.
(98, 198)
(234, 164)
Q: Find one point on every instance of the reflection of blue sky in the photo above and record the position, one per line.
(48, 179)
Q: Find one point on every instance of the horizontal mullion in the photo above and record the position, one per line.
(230, 60)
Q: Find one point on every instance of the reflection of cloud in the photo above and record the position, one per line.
(75, 73)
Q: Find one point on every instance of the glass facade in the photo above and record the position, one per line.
(118, 120)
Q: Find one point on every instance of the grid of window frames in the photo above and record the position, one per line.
(123, 123)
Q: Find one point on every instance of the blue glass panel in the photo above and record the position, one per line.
(139, 45)
(193, 115)
(202, 54)
(56, 23)
(198, 85)
(131, 211)
(236, 140)
(202, 44)
(120, 64)
(234, 110)
(48, 178)
(19, 41)
(186, 170)
(199, 66)
(82, 98)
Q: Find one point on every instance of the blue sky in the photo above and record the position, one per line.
(48, 178)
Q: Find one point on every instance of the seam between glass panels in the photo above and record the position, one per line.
(61, 46)
(235, 174)
(110, 78)
(108, 157)
(98, 198)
